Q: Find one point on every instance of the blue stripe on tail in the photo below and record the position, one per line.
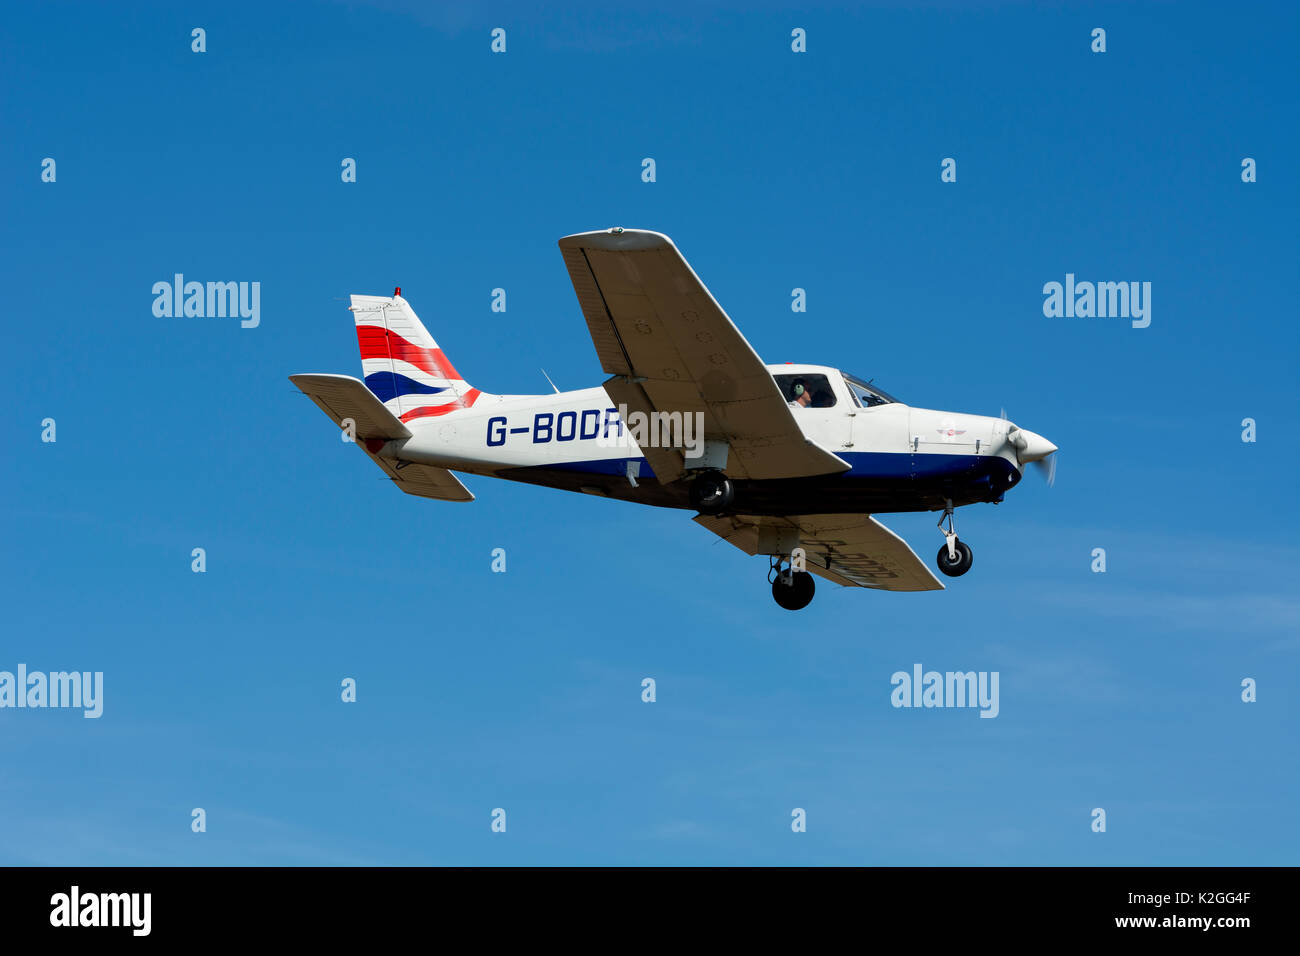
(388, 385)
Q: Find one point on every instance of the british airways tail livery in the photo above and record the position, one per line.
(788, 461)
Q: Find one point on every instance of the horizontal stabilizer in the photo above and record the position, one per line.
(342, 397)
(426, 481)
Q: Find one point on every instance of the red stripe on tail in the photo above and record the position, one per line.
(375, 341)
(424, 411)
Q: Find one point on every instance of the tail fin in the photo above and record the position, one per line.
(401, 362)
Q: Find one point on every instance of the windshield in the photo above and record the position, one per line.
(867, 394)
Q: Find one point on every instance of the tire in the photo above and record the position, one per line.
(955, 569)
(712, 493)
(797, 594)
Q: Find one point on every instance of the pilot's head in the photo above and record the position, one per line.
(801, 394)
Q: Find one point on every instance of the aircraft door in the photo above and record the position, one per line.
(821, 407)
(880, 423)
(881, 428)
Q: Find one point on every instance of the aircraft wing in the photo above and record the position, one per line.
(852, 550)
(671, 348)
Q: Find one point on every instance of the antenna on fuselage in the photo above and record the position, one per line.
(549, 382)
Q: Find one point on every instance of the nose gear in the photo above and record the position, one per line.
(955, 557)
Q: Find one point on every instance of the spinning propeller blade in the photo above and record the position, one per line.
(1047, 468)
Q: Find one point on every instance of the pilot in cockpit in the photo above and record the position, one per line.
(802, 396)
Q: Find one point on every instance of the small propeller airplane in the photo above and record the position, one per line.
(788, 461)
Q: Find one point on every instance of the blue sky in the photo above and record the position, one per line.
(521, 690)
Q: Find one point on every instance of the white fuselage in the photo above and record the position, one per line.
(571, 439)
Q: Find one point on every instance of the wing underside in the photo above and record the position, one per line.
(851, 550)
(672, 349)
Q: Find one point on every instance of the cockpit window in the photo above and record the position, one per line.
(865, 394)
(807, 390)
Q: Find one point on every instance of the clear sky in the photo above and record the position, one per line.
(775, 170)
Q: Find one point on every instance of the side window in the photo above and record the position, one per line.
(817, 387)
(867, 394)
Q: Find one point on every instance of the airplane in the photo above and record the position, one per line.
(790, 461)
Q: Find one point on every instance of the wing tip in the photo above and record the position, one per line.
(617, 239)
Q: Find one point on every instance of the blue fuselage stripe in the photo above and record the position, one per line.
(875, 465)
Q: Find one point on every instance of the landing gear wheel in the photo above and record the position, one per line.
(712, 493)
(958, 562)
(795, 594)
(956, 568)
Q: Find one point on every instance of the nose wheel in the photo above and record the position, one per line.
(955, 565)
(955, 557)
(791, 589)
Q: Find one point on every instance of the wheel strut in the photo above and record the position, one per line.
(950, 535)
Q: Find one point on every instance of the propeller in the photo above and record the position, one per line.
(1033, 449)
(1047, 468)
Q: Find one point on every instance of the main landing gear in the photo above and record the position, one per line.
(955, 557)
(791, 589)
(712, 492)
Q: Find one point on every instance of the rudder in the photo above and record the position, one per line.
(401, 362)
